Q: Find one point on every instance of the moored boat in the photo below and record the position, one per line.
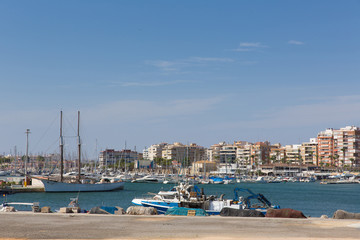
(78, 184)
(189, 196)
(56, 186)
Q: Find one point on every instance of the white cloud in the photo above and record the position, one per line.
(294, 42)
(249, 46)
(167, 66)
(172, 66)
(147, 84)
(242, 50)
(210, 59)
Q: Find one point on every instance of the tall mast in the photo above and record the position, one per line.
(15, 159)
(27, 155)
(61, 150)
(125, 158)
(79, 147)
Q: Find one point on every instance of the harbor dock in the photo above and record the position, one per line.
(85, 226)
(21, 189)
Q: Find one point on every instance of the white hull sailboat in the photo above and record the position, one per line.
(79, 185)
(55, 186)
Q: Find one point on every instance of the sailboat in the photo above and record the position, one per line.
(81, 185)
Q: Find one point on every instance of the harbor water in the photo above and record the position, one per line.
(313, 199)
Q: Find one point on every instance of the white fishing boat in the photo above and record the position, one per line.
(77, 185)
(189, 196)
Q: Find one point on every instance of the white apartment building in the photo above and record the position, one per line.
(227, 154)
(308, 152)
(214, 152)
(112, 157)
(292, 153)
(154, 151)
(243, 153)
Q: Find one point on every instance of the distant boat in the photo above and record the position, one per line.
(149, 179)
(80, 185)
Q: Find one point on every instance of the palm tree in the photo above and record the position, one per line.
(342, 164)
(273, 159)
(277, 155)
(336, 157)
(352, 162)
(343, 150)
(246, 160)
(332, 159)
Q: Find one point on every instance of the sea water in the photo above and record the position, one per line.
(313, 199)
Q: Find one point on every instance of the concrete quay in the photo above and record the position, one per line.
(85, 226)
(21, 189)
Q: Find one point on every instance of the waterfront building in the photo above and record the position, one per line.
(309, 152)
(292, 154)
(291, 170)
(326, 147)
(243, 153)
(226, 169)
(339, 147)
(203, 167)
(185, 154)
(260, 153)
(347, 146)
(154, 151)
(227, 154)
(277, 153)
(113, 157)
(214, 152)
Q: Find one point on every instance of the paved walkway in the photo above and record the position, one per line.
(85, 226)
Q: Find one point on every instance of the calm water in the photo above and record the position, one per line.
(313, 199)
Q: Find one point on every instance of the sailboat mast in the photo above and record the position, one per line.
(27, 155)
(79, 148)
(61, 150)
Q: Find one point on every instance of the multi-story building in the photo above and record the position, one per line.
(260, 153)
(292, 154)
(326, 147)
(309, 152)
(154, 151)
(339, 147)
(243, 153)
(277, 153)
(202, 167)
(214, 152)
(347, 146)
(227, 154)
(185, 154)
(112, 157)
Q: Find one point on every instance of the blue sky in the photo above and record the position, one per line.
(147, 72)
